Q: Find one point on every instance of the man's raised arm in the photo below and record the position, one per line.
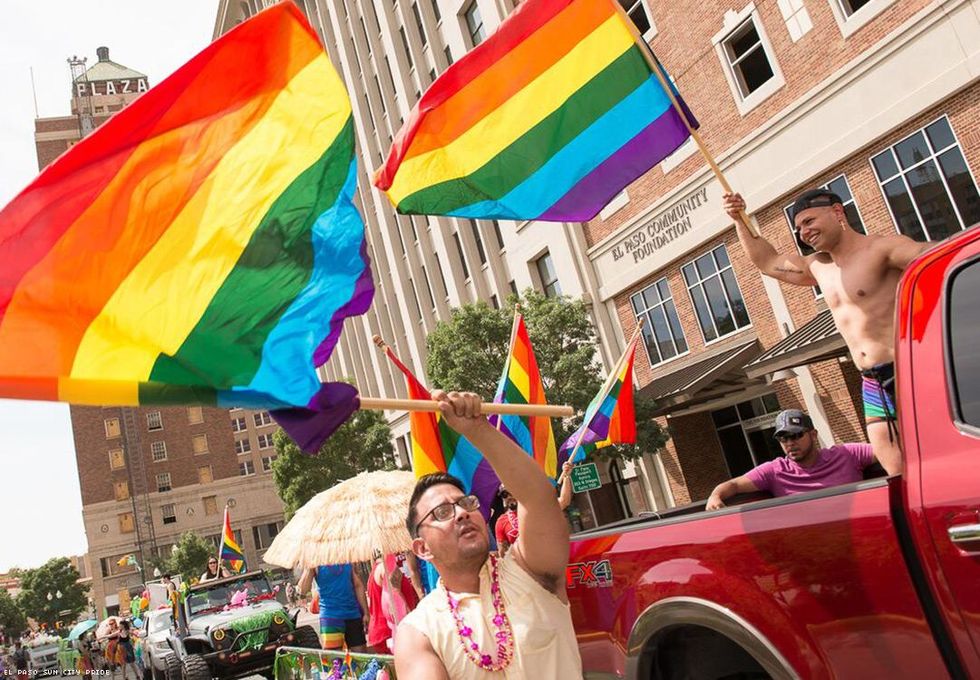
(543, 539)
(792, 268)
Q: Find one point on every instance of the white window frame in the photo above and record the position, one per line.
(700, 282)
(154, 416)
(796, 17)
(267, 438)
(851, 24)
(262, 418)
(536, 263)
(465, 24)
(267, 463)
(155, 452)
(168, 483)
(249, 469)
(650, 33)
(647, 310)
(246, 446)
(934, 157)
(239, 424)
(168, 508)
(732, 22)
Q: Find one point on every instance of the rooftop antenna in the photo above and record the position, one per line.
(34, 90)
(81, 94)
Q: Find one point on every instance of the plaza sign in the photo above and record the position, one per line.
(108, 87)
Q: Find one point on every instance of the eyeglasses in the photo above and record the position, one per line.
(446, 511)
(789, 437)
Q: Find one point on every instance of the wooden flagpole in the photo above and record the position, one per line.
(377, 404)
(610, 379)
(513, 334)
(655, 67)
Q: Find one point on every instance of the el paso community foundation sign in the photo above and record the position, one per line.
(659, 237)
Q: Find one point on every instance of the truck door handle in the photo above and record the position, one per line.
(964, 533)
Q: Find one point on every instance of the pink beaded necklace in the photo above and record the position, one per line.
(504, 634)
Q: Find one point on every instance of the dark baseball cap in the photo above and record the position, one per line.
(814, 198)
(793, 421)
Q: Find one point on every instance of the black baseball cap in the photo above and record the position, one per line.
(814, 198)
(793, 421)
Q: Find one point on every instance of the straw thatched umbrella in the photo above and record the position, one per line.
(347, 523)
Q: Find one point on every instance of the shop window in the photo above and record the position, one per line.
(927, 185)
(964, 347)
(662, 332)
(158, 450)
(163, 482)
(474, 24)
(154, 421)
(715, 294)
(548, 276)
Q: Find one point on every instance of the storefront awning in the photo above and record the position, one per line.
(707, 379)
(817, 340)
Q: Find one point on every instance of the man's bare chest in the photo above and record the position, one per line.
(854, 281)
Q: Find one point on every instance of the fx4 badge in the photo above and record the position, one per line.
(589, 574)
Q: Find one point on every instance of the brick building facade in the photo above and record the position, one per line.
(877, 99)
(178, 467)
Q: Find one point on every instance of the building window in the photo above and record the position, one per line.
(435, 10)
(126, 523)
(513, 288)
(242, 446)
(849, 7)
(415, 298)
(638, 14)
(238, 425)
(264, 534)
(662, 333)
(121, 490)
(548, 276)
(419, 24)
(154, 421)
(474, 24)
(449, 55)
(496, 232)
(205, 475)
(200, 443)
(715, 293)
(112, 428)
(117, 459)
(246, 468)
(159, 451)
(928, 187)
(748, 61)
(262, 418)
(428, 288)
(265, 441)
(408, 52)
(797, 19)
(195, 415)
(494, 302)
(462, 257)
(163, 482)
(210, 505)
(479, 242)
(267, 463)
(169, 513)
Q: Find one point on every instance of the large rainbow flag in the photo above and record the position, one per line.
(436, 447)
(230, 551)
(520, 383)
(199, 247)
(548, 119)
(610, 418)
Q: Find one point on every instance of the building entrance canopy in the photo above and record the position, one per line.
(815, 341)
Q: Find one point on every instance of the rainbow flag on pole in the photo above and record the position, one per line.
(436, 447)
(547, 119)
(520, 383)
(230, 551)
(199, 247)
(610, 418)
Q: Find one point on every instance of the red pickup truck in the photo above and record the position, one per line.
(875, 579)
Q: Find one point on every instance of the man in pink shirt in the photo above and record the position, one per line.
(806, 466)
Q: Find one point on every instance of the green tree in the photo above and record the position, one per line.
(469, 350)
(361, 444)
(12, 619)
(55, 576)
(190, 556)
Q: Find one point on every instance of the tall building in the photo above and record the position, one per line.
(387, 53)
(147, 475)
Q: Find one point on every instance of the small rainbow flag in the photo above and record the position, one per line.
(201, 246)
(436, 447)
(610, 418)
(230, 551)
(520, 383)
(547, 119)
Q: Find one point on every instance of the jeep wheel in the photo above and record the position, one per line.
(194, 667)
(171, 667)
(306, 637)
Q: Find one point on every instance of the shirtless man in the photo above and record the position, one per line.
(859, 276)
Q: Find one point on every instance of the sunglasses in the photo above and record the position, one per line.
(447, 511)
(788, 437)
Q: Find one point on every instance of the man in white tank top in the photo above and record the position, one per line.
(488, 617)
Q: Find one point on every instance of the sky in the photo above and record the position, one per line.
(40, 502)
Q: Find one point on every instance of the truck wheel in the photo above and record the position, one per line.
(171, 668)
(307, 638)
(194, 667)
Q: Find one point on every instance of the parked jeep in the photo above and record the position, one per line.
(232, 627)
